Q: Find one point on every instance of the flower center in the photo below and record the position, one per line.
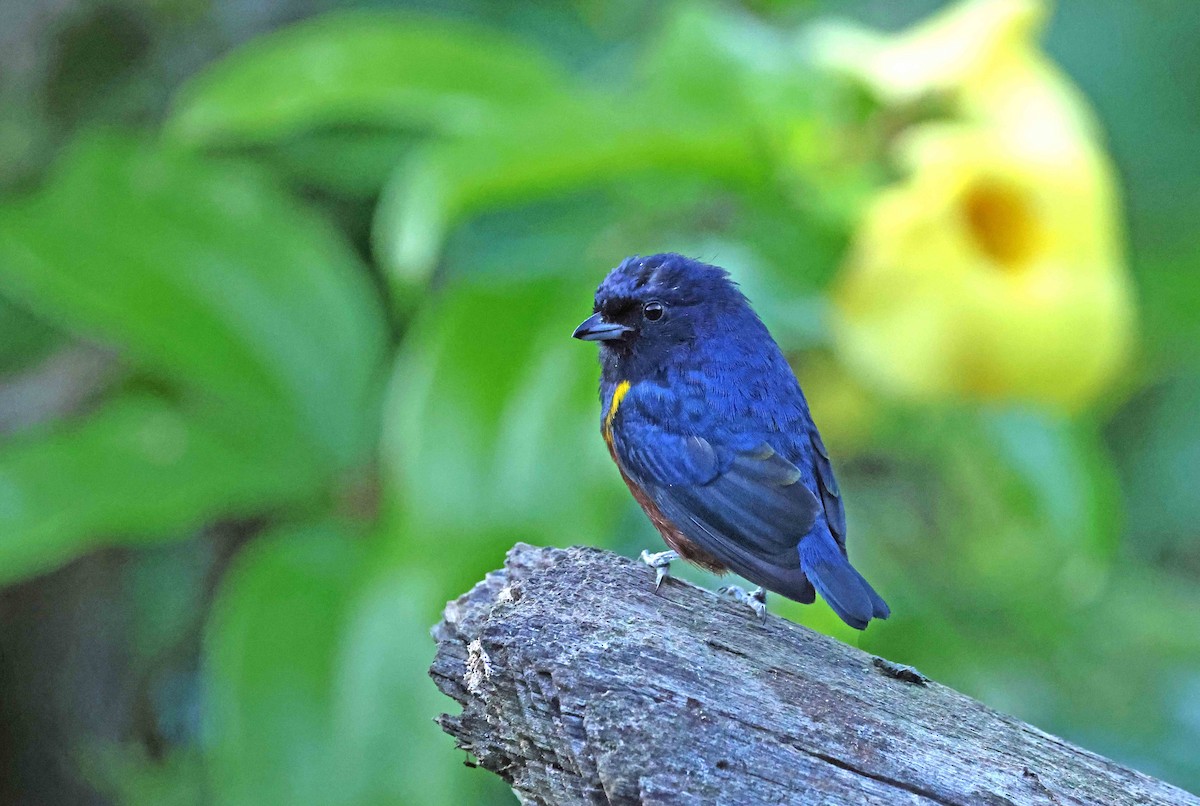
(1002, 222)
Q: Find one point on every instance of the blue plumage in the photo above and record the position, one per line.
(709, 428)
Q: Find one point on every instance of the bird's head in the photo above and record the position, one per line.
(649, 306)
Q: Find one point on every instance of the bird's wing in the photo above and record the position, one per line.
(749, 508)
(831, 497)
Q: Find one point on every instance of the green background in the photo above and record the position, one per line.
(285, 364)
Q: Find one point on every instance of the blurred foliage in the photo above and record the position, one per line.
(337, 263)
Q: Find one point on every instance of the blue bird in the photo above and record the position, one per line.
(708, 427)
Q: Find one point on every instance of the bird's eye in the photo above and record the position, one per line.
(653, 311)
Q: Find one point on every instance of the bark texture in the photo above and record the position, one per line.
(580, 684)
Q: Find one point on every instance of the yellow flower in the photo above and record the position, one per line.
(981, 55)
(992, 271)
(994, 268)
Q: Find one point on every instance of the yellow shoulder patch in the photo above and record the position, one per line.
(618, 395)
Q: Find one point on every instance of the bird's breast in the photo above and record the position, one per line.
(672, 535)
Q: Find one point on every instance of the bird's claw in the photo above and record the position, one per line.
(661, 563)
(756, 599)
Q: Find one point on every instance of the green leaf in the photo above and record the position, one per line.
(821, 159)
(747, 68)
(494, 429)
(315, 670)
(137, 470)
(270, 648)
(562, 149)
(127, 774)
(353, 163)
(366, 68)
(384, 705)
(1169, 288)
(1068, 473)
(211, 276)
(1156, 438)
(24, 339)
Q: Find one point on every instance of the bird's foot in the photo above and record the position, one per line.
(756, 599)
(661, 562)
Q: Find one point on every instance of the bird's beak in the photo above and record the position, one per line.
(594, 328)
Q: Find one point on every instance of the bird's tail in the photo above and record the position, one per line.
(850, 596)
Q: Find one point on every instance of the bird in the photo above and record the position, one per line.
(711, 432)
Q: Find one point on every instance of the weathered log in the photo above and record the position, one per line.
(580, 684)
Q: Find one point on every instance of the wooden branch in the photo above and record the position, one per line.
(580, 685)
